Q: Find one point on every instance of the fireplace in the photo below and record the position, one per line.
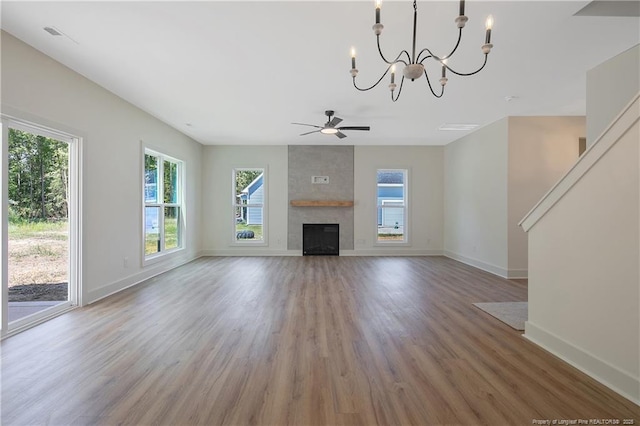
(320, 239)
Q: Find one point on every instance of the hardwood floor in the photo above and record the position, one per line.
(300, 341)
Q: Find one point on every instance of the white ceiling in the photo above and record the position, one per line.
(240, 72)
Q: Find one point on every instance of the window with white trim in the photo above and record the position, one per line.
(249, 199)
(391, 205)
(162, 192)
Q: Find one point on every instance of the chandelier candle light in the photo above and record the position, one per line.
(413, 64)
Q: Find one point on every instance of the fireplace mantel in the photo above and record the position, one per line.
(321, 203)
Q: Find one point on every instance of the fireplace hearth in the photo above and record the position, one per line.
(320, 239)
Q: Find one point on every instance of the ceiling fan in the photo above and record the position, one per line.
(330, 128)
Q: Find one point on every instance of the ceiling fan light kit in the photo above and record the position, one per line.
(330, 128)
(413, 64)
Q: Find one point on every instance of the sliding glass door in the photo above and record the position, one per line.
(39, 223)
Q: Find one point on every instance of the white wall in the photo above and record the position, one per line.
(610, 87)
(426, 197)
(425, 164)
(218, 161)
(584, 278)
(39, 89)
(493, 177)
(475, 198)
(541, 151)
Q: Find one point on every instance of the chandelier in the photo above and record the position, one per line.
(413, 64)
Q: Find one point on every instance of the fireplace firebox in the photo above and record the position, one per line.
(320, 239)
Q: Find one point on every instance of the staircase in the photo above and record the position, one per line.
(584, 260)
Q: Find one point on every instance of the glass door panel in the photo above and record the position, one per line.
(38, 227)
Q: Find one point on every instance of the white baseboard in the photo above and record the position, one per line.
(612, 377)
(517, 274)
(397, 251)
(496, 270)
(512, 274)
(148, 272)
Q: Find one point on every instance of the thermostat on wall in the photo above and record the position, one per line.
(320, 179)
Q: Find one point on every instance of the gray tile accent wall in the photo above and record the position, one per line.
(336, 162)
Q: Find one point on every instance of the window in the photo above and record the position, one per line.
(162, 204)
(391, 194)
(249, 198)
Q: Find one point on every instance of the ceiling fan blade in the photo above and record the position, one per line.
(311, 125)
(354, 128)
(308, 133)
(334, 121)
(341, 135)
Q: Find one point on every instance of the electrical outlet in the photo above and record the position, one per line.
(125, 262)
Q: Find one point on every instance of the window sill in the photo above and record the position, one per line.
(159, 257)
(249, 244)
(392, 243)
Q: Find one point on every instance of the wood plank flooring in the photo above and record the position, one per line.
(296, 341)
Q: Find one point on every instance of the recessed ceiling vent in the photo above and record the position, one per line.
(461, 127)
(52, 31)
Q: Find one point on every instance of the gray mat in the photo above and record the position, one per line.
(514, 314)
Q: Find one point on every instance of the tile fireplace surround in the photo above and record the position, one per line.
(311, 202)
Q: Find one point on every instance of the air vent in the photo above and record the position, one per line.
(52, 31)
(458, 126)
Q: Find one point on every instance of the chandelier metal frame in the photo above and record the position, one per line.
(413, 64)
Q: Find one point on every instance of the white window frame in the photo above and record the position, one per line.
(265, 180)
(162, 157)
(394, 204)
